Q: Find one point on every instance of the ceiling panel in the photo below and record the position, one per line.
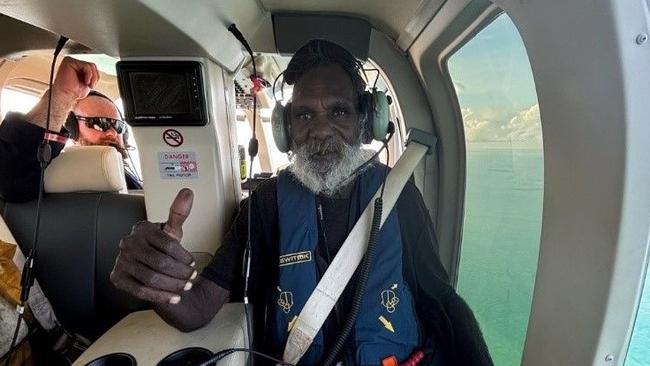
(389, 16)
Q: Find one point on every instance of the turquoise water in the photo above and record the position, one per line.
(503, 212)
(639, 352)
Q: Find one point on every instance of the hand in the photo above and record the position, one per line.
(152, 265)
(74, 80)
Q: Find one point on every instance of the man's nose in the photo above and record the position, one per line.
(111, 132)
(321, 128)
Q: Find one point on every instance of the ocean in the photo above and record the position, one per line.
(503, 213)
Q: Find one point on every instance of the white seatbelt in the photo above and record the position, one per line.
(338, 274)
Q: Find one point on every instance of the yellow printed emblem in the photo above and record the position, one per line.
(389, 300)
(295, 258)
(285, 301)
(387, 324)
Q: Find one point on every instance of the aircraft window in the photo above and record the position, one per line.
(269, 159)
(14, 100)
(638, 353)
(105, 63)
(504, 184)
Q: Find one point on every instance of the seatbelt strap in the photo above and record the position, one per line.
(338, 274)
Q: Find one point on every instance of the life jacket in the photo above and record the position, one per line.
(387, 322)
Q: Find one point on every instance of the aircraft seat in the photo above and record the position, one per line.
(84, 214)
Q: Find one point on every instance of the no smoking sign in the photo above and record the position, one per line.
(172, 137)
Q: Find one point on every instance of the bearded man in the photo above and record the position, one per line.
(311, 208)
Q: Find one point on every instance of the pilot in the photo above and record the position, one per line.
(299, 221)
(77, 112)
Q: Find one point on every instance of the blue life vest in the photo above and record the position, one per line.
(387, 322)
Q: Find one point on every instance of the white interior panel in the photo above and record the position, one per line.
(592, 84)
(139, 28)
(216, 195)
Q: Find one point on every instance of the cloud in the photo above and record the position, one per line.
(523, 128)
(460, 88)
(526, 126)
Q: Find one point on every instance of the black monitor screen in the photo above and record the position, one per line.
(160, 93)
(157, 93)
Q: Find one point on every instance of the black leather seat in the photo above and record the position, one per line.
(78, 243)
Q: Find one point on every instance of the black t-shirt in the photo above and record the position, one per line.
(447, 321)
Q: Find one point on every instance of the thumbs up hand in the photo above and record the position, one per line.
(178, 213)
(152, 265)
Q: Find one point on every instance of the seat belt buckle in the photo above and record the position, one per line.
(423, 138)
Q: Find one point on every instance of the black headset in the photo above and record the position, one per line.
(373, 107)
(72, 123)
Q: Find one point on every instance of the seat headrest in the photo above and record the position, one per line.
(86, 169)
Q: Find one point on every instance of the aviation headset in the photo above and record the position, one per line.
(373, 107)
(72, 124)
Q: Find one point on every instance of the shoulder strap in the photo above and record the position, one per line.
(331, 286)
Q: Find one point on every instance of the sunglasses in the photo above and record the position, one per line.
(103, 124)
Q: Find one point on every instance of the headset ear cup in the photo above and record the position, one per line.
(381, 115)
(279, 127)
(72, 125)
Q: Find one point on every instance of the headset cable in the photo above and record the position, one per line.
(44, 155)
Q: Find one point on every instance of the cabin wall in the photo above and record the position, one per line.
(214, 149)
(592, 85)
(416, 111)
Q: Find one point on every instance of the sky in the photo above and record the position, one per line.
(495, 87)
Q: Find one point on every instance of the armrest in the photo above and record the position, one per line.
(146, 337)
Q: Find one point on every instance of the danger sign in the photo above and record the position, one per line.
(178, 165)
(172, 137)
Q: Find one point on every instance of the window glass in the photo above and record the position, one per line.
(104, 63)
(639, 352)
(14, 100)
(504, 184)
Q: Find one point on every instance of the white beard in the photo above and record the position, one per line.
(329, 176)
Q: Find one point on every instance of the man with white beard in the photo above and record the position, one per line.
(299, 221)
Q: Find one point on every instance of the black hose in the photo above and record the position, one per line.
(362, 281)
(44, 155)
(222, 354)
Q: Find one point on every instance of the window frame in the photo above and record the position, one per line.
(481, 21)
(449, 203)
(489, 19)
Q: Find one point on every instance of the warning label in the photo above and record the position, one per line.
(172, 138)
(178, 165)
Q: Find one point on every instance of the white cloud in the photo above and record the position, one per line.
(522, 129)
(460, 88)
(526, 126)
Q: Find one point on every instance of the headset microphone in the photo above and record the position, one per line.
(252, 152)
